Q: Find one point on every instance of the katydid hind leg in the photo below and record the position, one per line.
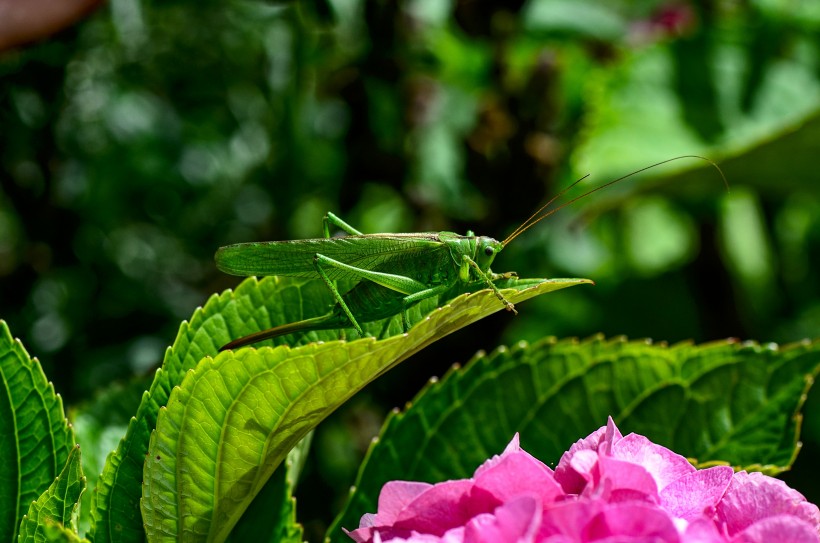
(317, 263)
(410, 299)
(393, 281)
(331, 219)
(414, 290)
(324, 322)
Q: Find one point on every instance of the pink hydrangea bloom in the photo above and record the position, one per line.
(607, 488)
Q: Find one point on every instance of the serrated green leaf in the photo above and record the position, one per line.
(235, 417)
(723, 402)
(252, 306)
(56, 505)
(36, 436)
(99, 425)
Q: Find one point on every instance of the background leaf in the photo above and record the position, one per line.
(57, 533)
(271, 517)
(37, 437)
(236, 416)
(56, 505)
(723, 402)
(99, 425)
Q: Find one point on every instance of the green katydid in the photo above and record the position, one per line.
(393, 271)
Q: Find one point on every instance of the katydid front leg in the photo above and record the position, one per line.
(467, 261)
(505, 275)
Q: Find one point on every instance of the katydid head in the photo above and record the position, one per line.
(543, 212)
(485, 251)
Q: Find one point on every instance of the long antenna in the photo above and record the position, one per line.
(540, 209)
(538, 217)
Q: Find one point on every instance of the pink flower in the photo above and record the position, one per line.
(505, 497)
(606, 488)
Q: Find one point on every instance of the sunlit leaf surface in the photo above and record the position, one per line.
(235, 417)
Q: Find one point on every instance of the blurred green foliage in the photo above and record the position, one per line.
(136, 143)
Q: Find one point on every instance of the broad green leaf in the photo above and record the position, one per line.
(723, 402)
(36, 436)
(236, 416)
(56, 505)
(253, 306)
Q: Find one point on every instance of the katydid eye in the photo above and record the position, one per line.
(489, 251)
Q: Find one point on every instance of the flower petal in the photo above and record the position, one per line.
(692, 494)
(621, 480)
(514, 473)
(635, 521)
(702, 530)
(517, 521)
(786, 528)
(752, 497)
(440, 508)
(568, 519)
(395, 496)
(664, 465)
(566, 472)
